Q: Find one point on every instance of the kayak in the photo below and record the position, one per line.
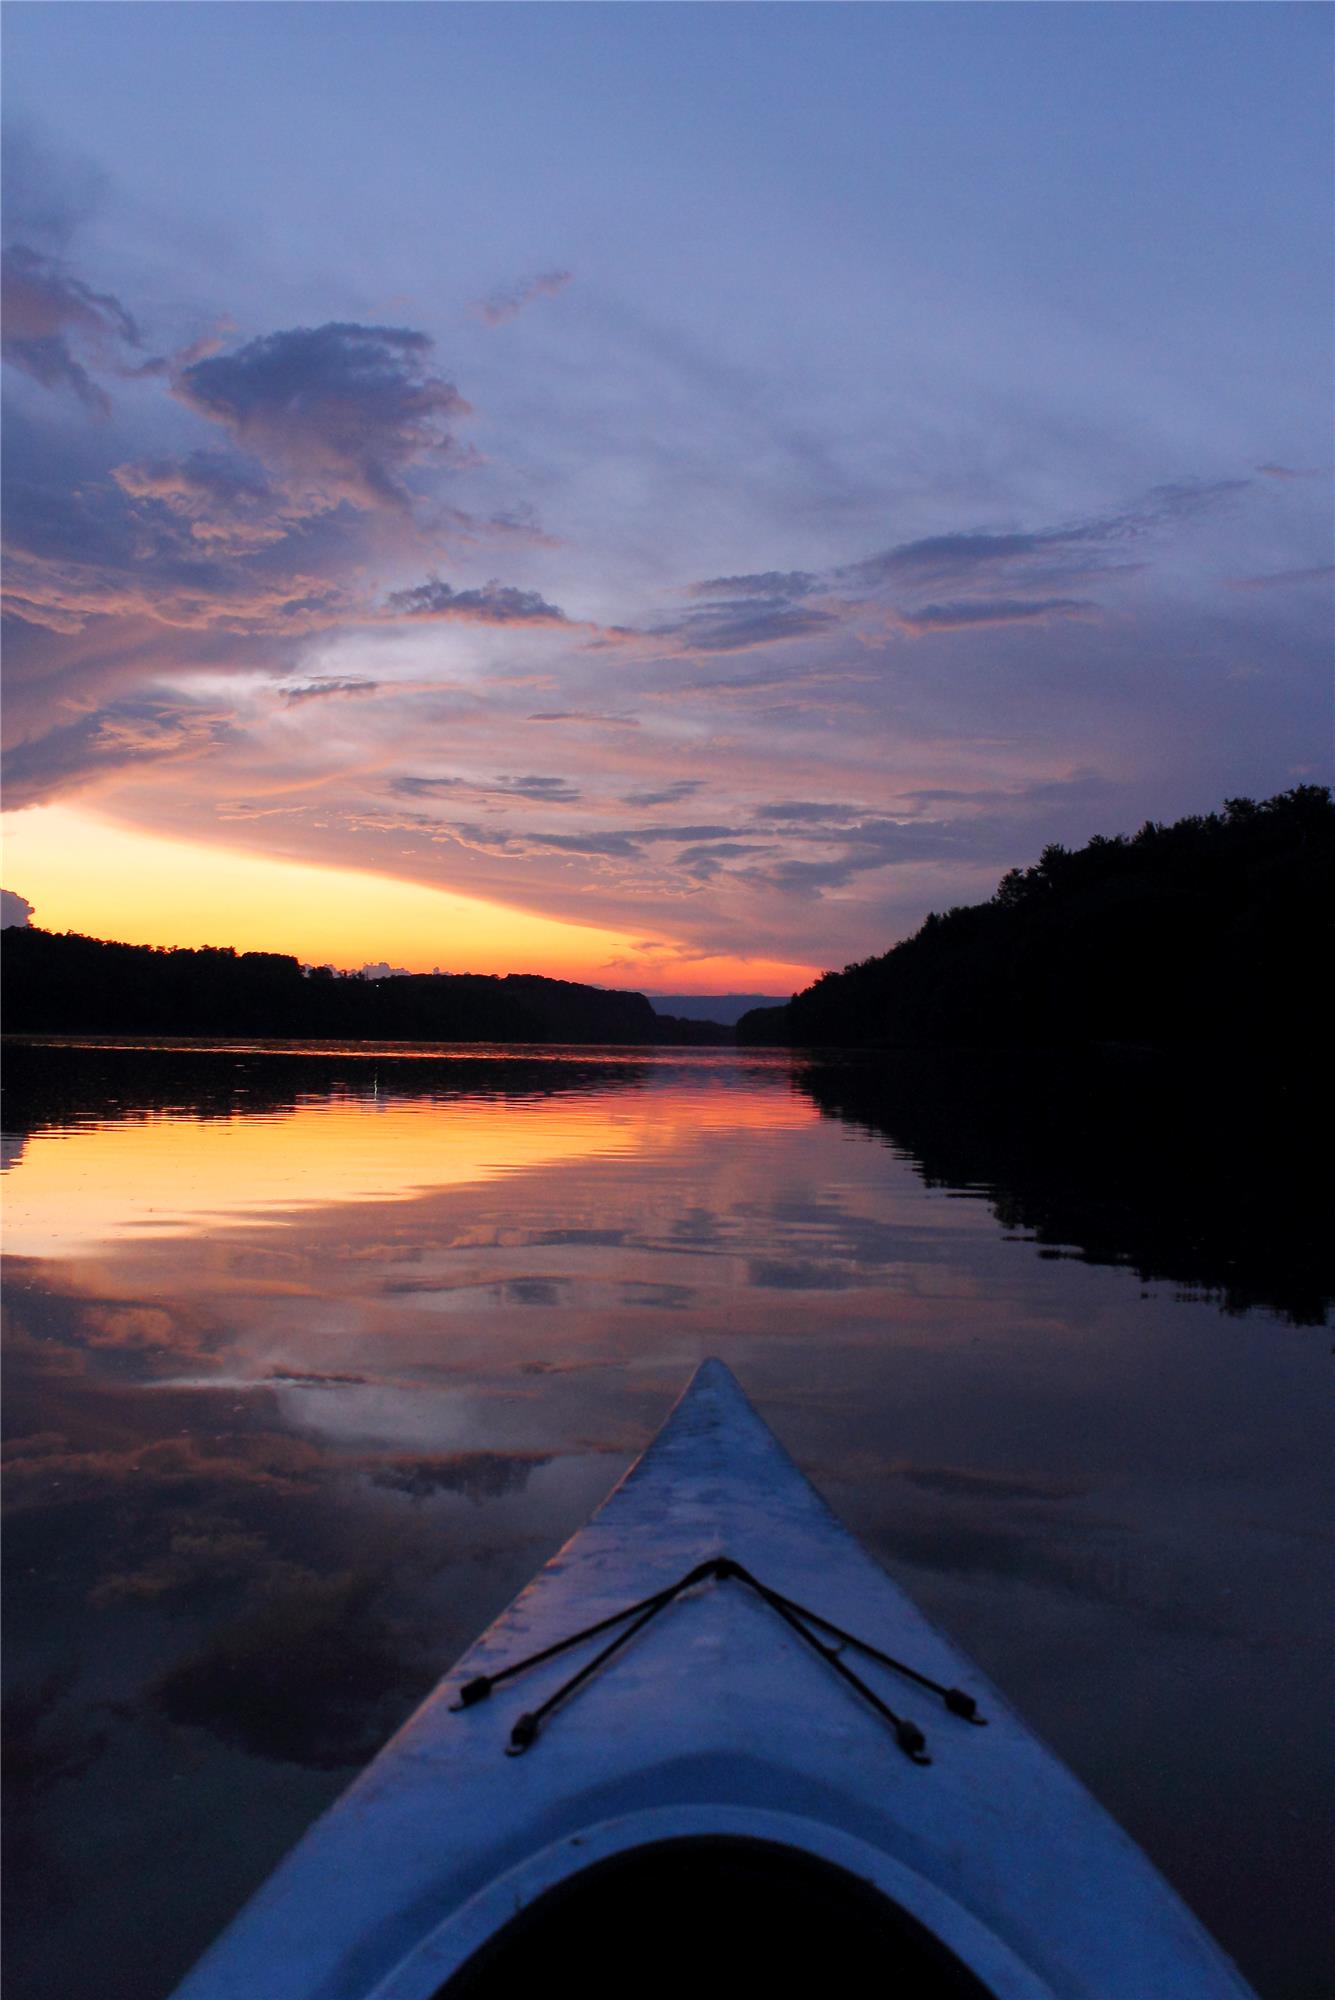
(713, 1748)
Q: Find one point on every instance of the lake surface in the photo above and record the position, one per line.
(313, 1356)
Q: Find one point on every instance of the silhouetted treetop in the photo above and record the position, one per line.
(1213, 928)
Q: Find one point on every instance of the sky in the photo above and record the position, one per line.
(658, 494)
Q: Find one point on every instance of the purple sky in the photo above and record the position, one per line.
(751, 473)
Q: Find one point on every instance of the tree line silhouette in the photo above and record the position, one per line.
(62, 983)
(1214, 929)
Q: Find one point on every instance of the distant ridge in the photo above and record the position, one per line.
(67, 984)
(727, 1008)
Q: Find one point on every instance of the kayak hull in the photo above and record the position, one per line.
(715, 1721)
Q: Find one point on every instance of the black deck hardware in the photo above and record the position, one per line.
(720, 1569)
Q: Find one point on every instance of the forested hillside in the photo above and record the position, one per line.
(54, 983)
(1214, 929)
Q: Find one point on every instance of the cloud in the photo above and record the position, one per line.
(343, 411)
(708, 858)
(316, 1675)
(847, 842)
(518, 521)
(1085, 787)
(48, 194)
(584, 715)
(936, 557)
(964, 1482)
(226, 502)
(130, 1328)
(294, 697)
(43, 1470)
(124, 735)
(171, 587)
(257, 540)
(1282, 579)
(669, 795)
(592, 846)
(796, 1274)
(990, 611)
(764, 583)
(318, 492)
(813, 810)
(1092, 547)
(480, 1475)
(626, 843)
(762, 607)
(201, 542)
(322, 1378)
(539, 789)
(491, 603)
(735, 625)
(43, 1747)
(508, 301)
(16, 912)
(48, 313)
(1273, 471)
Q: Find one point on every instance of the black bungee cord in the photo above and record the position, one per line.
(798, 1617)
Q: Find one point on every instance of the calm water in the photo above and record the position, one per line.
(313, 1358)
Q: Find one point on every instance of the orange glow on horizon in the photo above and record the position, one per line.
(83, 873)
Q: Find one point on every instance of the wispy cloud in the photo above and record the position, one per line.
(1285, 579)
(668, 795)
(54, 322)
(127, 735)
(508, 301)
(762, 607)
(491, 603)
(769, 584)
(226, 502)
(1081, 549)
(971, 611)
(535, 788)
(583, 715)
(739, 624)
(294, 697)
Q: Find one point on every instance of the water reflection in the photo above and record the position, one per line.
(273, 1464)
(1218, 1183)
(169, 1171)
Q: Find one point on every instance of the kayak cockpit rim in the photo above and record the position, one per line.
(712, 1915)
(982, 1965)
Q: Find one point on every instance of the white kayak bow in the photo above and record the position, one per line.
(728, 1775)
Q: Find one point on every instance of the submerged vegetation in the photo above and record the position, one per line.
(1212, 930)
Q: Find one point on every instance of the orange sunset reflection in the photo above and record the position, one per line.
(74, 1191)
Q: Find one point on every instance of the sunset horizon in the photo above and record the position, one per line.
(100, 880)
(598, 577)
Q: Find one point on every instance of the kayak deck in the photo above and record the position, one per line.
(716, 1724)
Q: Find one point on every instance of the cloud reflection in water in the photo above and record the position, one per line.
(274, 1463)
